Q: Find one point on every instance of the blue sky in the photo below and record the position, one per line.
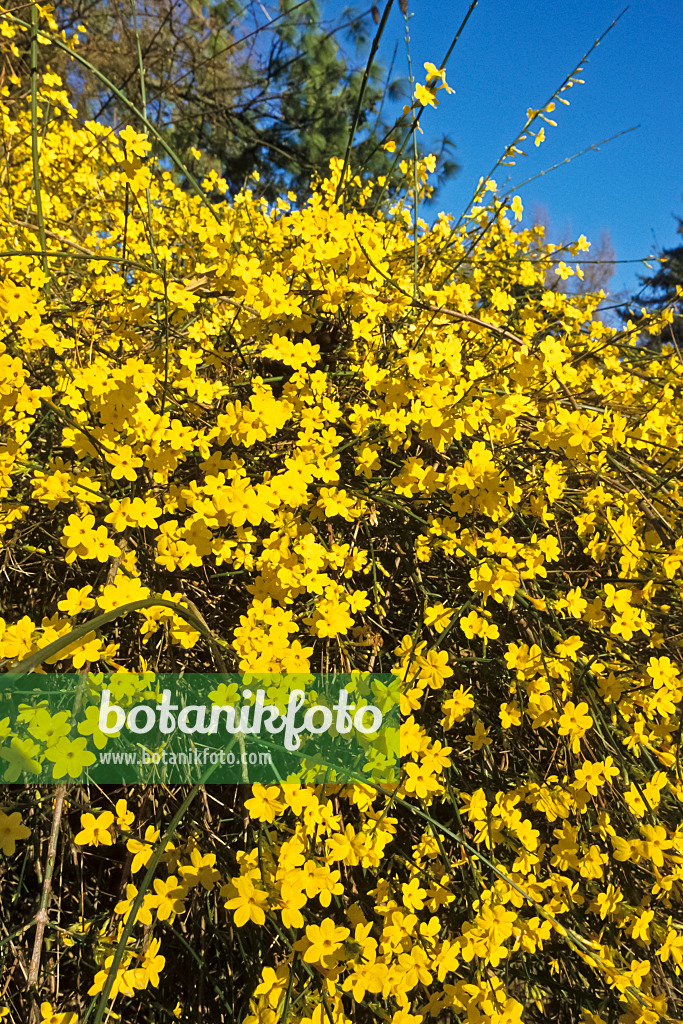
(512, 55)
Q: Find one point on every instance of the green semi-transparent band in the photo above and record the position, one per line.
(268, 728)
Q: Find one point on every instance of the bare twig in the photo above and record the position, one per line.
(41, 916)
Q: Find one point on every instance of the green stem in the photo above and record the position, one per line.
(171, 153)
(414, 135)
(138, 901)
(35, 660)
(143, 96)
(288, 993)
(166, 339)
(361, 95)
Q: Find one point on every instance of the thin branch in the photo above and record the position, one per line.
(41, 916)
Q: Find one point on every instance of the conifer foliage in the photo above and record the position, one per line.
(232, 87)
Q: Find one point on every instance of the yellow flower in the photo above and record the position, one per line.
(436, 75)
(264, 805)
(11, 829)
(124, 817)
(510, 714)
(517, 207)
(480, 737)
(246, 900)
(425, 96)
(136, 144)
(77, 600)
(21, 757)
(95, 831)
(142, 849)
(77, 530)
(292, 899)
(607, 902)
(413, 895)
(50, 1016)
(152, 965)
(438, 616)
(331, 618)
(324, 941)
(200, 871)
(168, 898)
(420, 780)
(124, 463)
(575, 722)
(70, 757)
